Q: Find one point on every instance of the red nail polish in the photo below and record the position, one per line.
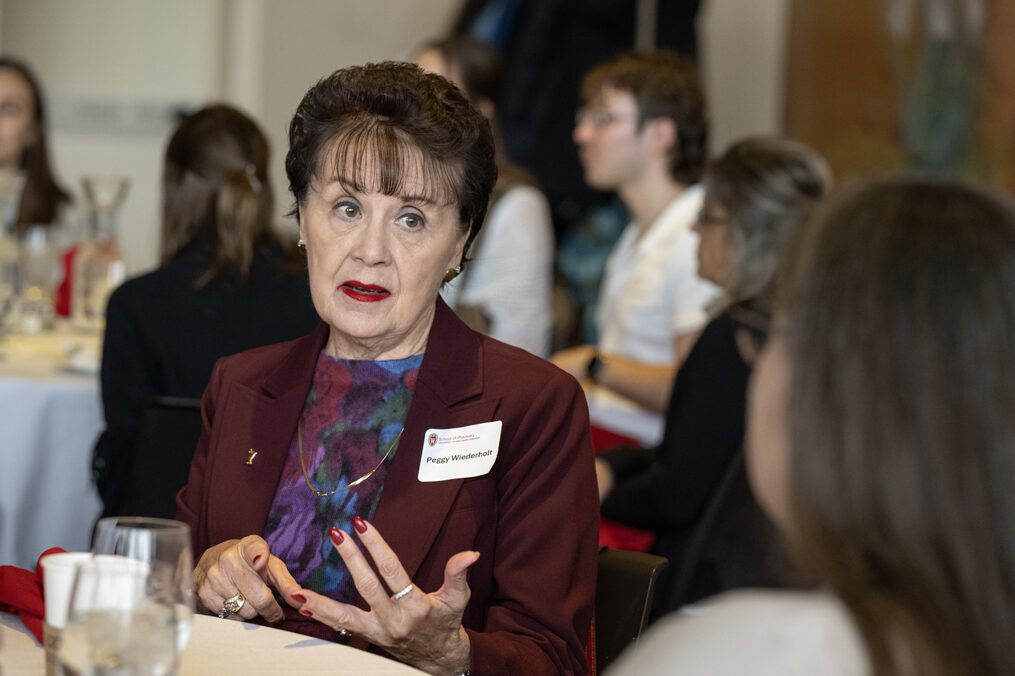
(359, 524)
(336, 536)
(304, 611)
(256, 559)
(300, 597)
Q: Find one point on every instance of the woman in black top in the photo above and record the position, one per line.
(757, 195)
(228, 282)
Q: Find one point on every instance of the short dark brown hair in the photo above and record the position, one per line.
(900, 332)
(400, 119)
(664, 84)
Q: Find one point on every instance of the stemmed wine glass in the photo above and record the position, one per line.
(131, 605)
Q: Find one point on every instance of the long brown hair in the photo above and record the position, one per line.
(900, 331)
(215, 186)
(42, 196)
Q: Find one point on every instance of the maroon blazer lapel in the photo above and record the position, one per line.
(410, 513)
(262, 419)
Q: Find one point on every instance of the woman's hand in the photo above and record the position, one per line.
(247, 567)
(424, 630)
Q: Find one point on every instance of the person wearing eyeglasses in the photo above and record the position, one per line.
(642, 133)
(757, 195)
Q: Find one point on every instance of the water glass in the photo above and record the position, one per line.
(120, 620)
(40, 275)
(160, 550)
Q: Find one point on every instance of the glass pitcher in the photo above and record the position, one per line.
(98, 266)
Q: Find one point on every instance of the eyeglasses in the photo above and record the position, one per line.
(597, 117)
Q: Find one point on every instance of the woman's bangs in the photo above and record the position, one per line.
(372, 157)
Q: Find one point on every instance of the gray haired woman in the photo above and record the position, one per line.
(757, 194)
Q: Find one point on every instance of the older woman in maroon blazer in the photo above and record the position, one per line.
(395, 479)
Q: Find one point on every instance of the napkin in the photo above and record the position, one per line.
(21, 593)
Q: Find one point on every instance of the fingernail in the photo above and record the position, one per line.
(336, 536)
(304, 611)
(256, 559)
(300, 597)
(359, 524)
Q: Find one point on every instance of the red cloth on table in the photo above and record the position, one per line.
(612, 534)
(21, 593)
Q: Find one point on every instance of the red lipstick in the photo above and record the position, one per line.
(364, 293)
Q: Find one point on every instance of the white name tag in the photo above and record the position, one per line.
(460, 452)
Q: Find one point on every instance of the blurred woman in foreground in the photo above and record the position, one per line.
(882, 443)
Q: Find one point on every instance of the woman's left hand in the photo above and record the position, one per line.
(421, 629)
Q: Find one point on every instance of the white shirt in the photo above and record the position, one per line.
(511, 274)
(757, 632)
(650, 294)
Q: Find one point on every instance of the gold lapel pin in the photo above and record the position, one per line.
(251, 454)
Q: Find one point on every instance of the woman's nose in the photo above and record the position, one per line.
(371, 244)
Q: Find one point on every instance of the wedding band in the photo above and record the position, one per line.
(344, 633)
(232, 605)
(403, 592)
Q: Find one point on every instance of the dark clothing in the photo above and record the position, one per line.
(532, 516)
(163, 336)
(667, 488)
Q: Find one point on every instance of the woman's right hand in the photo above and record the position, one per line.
(248, 567)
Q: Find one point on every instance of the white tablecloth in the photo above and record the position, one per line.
(220, 647)
(50, 416)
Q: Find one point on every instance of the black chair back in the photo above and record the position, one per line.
(624, 591)
(167, 437)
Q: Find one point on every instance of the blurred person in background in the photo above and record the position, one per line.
(507, 292)
(881, 442)
(23, 149)
(642, 132)
(227, 282)
(757, 195)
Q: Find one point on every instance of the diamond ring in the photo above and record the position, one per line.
(232, 605)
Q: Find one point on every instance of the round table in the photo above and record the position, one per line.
(50, 416)
(219, 647)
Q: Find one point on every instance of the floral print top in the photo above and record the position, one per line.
(353, 414)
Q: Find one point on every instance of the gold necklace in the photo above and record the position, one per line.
(357, 482)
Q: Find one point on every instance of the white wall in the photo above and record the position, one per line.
(115, 71)
(743, 52)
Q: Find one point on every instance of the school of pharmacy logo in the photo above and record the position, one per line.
(432, 439)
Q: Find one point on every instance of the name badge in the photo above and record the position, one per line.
(460, 452)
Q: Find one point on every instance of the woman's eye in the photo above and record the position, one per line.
(411, 221)
(347, 209)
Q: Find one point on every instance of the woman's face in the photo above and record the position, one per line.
(376, 264)
(17, 118)
(713, 231)
(767, 430)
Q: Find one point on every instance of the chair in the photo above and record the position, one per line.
(167, 436)
(624, 591)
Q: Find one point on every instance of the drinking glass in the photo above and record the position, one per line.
(162, 548)
(121, 620)
(40, 275)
